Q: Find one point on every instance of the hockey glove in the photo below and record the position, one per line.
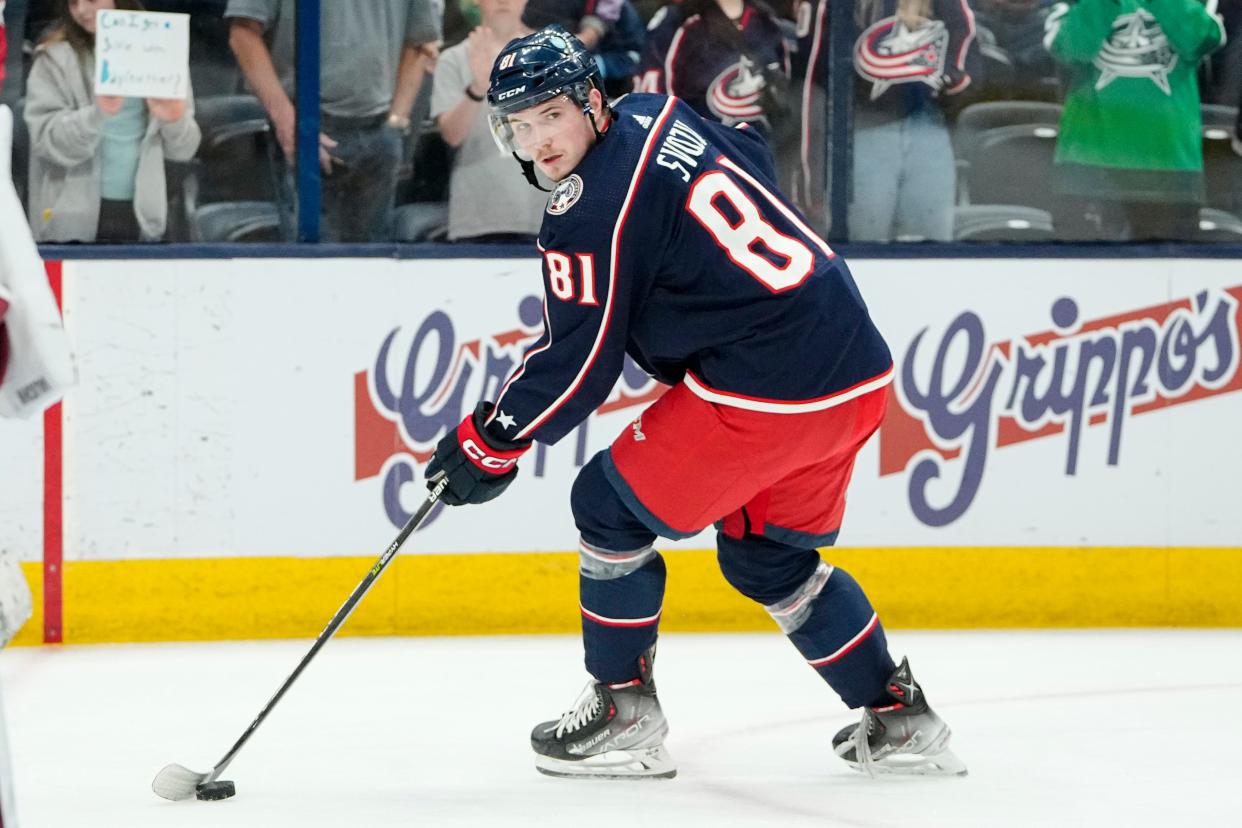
(479, 466)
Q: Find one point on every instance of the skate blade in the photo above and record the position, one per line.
(639, 763)
(936, 759)
(944, 763)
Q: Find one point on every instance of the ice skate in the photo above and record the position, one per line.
(905, 737)
(614, 731)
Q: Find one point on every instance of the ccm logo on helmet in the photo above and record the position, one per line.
(510, 93)
(482, 458)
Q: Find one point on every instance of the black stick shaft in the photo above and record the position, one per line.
(337, 620)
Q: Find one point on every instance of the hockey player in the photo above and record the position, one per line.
(665, 239)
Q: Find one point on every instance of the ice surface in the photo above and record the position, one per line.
(1099, 728)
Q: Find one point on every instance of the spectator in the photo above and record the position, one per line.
(1016, 66)
(910, 58)
(372, 59)
(1129, 159)
(488, 200)
(611, 29)
(97, 162)
(726, 58)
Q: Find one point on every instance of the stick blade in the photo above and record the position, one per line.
(176, 782)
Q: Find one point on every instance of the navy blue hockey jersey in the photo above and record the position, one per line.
(720, 67)
(670, 242)
(901, 65)
(901, 62)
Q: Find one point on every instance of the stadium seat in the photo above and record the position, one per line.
(421, 221)
(976, 119)
(232, 191)
(1217, 117)
(1012, 165)
(1001, 222)
(1219, 226)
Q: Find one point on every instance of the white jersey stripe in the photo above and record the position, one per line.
(807, 83)
(696, 387)
(970, 35)
(547, 326)
(671, 58)
(612, 279)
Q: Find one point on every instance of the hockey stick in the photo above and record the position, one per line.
(178, 782)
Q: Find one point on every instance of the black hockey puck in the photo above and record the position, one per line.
(211, 791)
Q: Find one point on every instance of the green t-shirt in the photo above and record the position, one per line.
(1131, 119)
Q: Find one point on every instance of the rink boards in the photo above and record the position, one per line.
(1061, 449)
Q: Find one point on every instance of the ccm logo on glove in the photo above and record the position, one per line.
(485, 460)
(477, 450)
(478, 467)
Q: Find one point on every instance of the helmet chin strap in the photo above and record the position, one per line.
(590, 116)
(528, 170)
(528, 167)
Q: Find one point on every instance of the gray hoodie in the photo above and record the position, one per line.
(64, 126)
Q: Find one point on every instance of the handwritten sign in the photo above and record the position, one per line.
(142, 54)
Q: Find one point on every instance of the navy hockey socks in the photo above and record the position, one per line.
(621, 578)
(822, 609)
(620, 614)
(842, 638)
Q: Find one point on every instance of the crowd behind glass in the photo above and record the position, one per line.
(987, 120)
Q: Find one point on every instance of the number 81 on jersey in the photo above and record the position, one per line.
(561, 276)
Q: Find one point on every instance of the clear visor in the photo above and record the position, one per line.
(505, 136)
(524, 131)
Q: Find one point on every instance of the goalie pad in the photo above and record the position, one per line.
(16, 605)
(36, 366)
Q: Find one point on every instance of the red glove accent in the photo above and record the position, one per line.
(483, 455)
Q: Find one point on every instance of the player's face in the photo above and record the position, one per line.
(554, 134)
(83, 11)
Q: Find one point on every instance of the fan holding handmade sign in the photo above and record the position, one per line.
(98, 144)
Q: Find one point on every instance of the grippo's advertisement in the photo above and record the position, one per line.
(1034, 403)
